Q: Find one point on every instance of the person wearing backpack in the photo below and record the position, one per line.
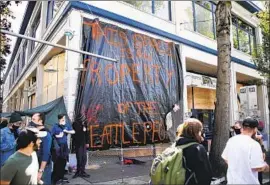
(186, 161)
(196, 160)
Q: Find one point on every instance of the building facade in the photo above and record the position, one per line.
(38, 73)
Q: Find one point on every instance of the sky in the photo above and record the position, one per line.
(18, 12)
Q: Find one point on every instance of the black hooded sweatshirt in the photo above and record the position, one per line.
(197, 161)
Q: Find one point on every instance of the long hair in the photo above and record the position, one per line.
(191, 129)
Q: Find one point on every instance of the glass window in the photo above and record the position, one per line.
(252, 45)
(243, 36)
(57, 5)
(204, 21)
(187, 17)
(52, 9)
(162, 9)
(36, 31)
(243, 41)
(23, 54)
(145, 6)
(17, 69)
(49, 12)
(159, 8)
(205, 4)
(235, 39)
(19, 64)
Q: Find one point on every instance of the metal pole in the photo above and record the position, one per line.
(57, 76)
(47, 93)
(56, 45)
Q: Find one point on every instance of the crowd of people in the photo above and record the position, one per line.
(33, 154)
(244, 153)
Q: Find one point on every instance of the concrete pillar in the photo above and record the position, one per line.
(19, 95)
(72, 61)
(234, 115)
(39, 89)
(263, 108)
(25, 95)
(183, 60)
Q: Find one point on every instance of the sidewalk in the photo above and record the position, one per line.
(134, 180)
(108, 170)
(140, 180)
(115, 174)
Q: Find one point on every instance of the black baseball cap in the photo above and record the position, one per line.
(249, 122)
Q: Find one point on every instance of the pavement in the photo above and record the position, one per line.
(108, 170)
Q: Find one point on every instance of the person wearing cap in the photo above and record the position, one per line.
(44, 154)
(244, 156)
(8, 136)
(22, 166)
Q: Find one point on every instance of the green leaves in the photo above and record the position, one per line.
(261, 57)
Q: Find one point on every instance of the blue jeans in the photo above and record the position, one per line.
(47, 174)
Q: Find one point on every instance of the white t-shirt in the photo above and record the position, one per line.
(243, 154)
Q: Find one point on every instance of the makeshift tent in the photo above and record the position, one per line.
(5, 115)
(51, 110)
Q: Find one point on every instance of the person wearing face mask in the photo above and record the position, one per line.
(60, 131)
(22, 166)
(235, 129)
(44, 154)
(244, 156)
(8, 136)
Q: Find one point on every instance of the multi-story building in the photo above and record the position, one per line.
(30, 80)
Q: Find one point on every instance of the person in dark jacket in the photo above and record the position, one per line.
(44, 154)
(198, 167)
(81, 141)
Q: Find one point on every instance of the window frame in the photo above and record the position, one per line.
(49, 16)
(212, 13)
(23, 54)
(34, 26)
(153, 11)
(250, 33)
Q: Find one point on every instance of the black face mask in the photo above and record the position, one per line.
(14, 127)
(237, 131)
(32, 124)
